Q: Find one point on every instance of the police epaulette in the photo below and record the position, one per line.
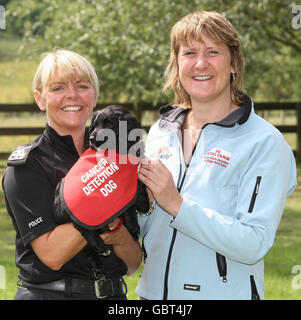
(19, 156)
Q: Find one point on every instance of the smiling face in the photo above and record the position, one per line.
(204, 70)
(66, 86)
(68, 103)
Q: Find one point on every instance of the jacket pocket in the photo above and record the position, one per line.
(255, 193)
(254, 293)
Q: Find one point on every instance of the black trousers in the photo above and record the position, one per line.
(39, 294)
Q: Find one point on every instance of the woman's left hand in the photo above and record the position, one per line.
(155, 175)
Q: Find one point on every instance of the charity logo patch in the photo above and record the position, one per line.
(219, 157)
(164, 153)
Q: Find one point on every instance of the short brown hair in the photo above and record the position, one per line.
(192, 27)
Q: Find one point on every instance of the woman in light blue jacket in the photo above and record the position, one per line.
(218, 173)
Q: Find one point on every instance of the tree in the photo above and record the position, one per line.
(4, 2)
(272, 46)
(128, 42)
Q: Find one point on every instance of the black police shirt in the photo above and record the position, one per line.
(29, 185)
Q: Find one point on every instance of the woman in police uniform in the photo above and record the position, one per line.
(54, 259)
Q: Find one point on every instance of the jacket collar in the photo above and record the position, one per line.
(172, 118)
(65, 142)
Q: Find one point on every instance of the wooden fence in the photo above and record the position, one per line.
(138, 109)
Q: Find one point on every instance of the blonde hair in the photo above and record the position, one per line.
(66, 64)
(219, 30)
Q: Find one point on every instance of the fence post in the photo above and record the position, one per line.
(137, 111)
(298, 111)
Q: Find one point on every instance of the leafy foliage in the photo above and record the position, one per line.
(128, 42)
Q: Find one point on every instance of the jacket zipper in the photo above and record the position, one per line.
(174, 235)
(254, 292)
(165, 293)
(254, 195)
(222, 266)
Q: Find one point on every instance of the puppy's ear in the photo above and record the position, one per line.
(93, 122)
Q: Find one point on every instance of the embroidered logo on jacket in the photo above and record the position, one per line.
(164, 153)
(219, 157)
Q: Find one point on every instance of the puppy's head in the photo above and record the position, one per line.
(115, 128)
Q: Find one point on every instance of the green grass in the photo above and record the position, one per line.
(15, 81)
(284, 255)
(286, 252)
(16, 71)
(7, 236)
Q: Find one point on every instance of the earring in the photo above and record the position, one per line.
(233, 77)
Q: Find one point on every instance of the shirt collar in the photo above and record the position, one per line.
(172, 118)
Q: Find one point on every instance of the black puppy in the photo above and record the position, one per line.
(127, 138)
(112, 128)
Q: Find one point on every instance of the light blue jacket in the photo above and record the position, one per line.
(234, 192)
